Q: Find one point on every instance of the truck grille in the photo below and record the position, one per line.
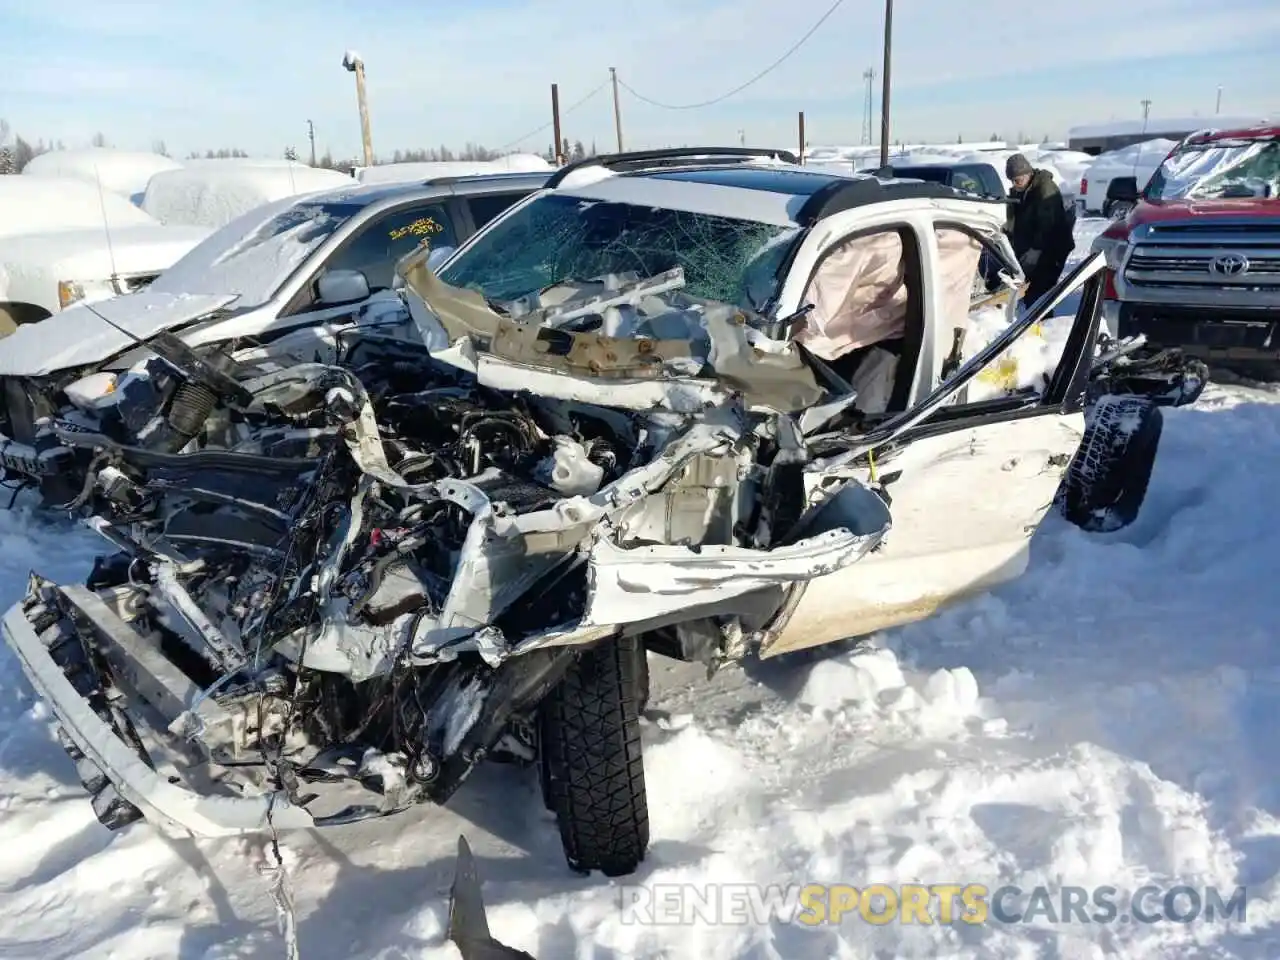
(1241, 256)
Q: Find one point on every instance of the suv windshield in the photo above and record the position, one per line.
(1219, 170)
(253, 257)
(558, 238)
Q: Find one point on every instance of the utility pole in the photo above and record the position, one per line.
(802, 138)
(311, 135)
(868, 107)
(1218, 108)
(884, 94)
(617, 107)
(742, 138)
(555, 124)
(352, 62)
(1146, 112)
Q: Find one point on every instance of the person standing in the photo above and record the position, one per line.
(1040, 227)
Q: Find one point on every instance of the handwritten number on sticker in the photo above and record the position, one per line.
(422, 227)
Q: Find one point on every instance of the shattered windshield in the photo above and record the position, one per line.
(1222, 169)
(252, 256)
(558, 238)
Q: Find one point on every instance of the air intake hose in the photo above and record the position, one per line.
(191, 406)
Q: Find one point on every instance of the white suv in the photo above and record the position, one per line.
(296, 262)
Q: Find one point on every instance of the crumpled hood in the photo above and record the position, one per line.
(636, 373)
(78, 337)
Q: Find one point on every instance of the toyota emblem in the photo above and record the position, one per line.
(1229, 265)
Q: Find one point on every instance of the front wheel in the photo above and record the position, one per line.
(1106, 481)
(1117, 209)
(591, 764)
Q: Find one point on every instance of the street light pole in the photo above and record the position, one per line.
(352, 62)
(884, 94)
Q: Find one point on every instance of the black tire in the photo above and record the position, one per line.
(1116, 209)
(592, 768)
(1106, 481)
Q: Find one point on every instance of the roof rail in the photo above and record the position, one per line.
(845, 193)
(453, 178)
(671, 157)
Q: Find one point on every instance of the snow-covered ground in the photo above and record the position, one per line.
(1105, 721)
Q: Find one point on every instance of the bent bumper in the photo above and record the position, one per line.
(160, 800)
(1220, 335)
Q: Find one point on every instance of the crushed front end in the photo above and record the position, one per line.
(387, 564)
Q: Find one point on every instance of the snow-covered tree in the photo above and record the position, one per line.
(290, 153)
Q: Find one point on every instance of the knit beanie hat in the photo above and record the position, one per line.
(1017, 166)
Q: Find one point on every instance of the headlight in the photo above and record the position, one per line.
(68, 293)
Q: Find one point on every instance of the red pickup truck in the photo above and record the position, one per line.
(1195, 263)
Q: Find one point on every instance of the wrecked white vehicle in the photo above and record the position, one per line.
(315, 260)
(622, 418)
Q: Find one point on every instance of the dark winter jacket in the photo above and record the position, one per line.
(1038, 220)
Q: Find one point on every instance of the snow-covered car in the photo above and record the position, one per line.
(64, 240)
(213, 193)
(1139, 161)
(297, 262)
(695, 405)
(122, 172)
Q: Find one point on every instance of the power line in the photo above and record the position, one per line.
(569, 109)
(738, 89)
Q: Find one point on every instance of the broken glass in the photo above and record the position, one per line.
(1219, 169)
(559, 238)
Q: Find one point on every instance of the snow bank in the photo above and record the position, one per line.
(121, 171)
(407, 172)
(215, 192)
(1106, 721)
(39, 203)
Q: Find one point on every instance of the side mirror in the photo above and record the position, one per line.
(437, 256)
(1124, 190)
(338, 287)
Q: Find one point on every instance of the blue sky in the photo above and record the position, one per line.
(249, 74)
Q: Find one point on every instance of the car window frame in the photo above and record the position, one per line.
(303, 299)
(1064, 395)
(468, 199)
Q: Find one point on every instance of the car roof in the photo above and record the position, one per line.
(742, 183)
(364, 196)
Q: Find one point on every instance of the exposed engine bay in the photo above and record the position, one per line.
(370, 569)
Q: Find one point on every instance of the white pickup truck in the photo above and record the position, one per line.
(64, 241)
